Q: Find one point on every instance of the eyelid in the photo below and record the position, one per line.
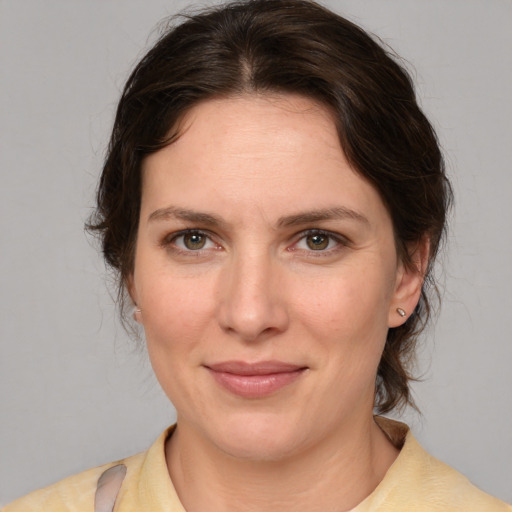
(168, 239)
(341, 241)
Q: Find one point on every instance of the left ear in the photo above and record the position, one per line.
(409, 283)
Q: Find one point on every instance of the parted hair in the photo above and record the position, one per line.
(286, 46)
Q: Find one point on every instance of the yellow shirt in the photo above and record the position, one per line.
(415, 482)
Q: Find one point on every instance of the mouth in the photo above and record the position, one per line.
(255, 380)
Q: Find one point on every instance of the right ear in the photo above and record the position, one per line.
(132, 292)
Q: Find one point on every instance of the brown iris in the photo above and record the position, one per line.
(317, 242)
(194, 241)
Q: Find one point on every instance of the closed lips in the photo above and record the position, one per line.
(248, 380)
(262, 368)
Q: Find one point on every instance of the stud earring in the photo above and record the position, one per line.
(136, 314)
(400, 311)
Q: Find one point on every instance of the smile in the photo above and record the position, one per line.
(257, 380)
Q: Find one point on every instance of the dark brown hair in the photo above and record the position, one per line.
(286, 46)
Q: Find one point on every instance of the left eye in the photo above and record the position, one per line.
(317, 241)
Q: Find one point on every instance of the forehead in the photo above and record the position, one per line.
(255, 126)
(267, 152)
(261, 113)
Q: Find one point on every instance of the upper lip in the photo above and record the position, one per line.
(260, 368)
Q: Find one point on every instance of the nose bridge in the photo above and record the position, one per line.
(251, 302)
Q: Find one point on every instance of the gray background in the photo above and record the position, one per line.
(75, 391)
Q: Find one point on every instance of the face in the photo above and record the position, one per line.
(267, 276)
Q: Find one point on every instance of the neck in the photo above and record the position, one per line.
(335, 475)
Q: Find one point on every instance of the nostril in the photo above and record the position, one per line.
(252, 323)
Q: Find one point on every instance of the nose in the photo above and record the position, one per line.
(252, 301)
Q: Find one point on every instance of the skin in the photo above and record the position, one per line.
(257, 166)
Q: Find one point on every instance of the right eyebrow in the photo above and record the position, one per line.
(172, 212)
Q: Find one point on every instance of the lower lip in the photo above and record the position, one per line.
(255, 386)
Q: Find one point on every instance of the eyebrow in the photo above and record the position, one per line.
(335, 213)
(184, 214)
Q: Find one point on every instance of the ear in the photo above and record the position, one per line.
(409, 283)
(132, 292)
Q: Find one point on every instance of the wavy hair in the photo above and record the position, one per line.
(286, 46)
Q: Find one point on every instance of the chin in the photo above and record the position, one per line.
(259, 438)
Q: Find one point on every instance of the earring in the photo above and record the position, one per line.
(400, 311)
(136, 314)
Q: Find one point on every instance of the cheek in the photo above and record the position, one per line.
(177, 319)
(348, 304)
(347, 317)
(176, 312)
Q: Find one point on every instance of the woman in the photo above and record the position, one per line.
(273, 200)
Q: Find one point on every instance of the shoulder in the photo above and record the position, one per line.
(447, 489)
(419, 481)
(73, 494)
(140, 482)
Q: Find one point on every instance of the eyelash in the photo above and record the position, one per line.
(340, 241)
(169, 242)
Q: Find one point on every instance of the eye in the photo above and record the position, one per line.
(318, 241)
(194, 241)
(190, 240)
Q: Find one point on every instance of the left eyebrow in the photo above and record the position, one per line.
(336, 213)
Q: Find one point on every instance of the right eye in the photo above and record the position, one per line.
(190, 241)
